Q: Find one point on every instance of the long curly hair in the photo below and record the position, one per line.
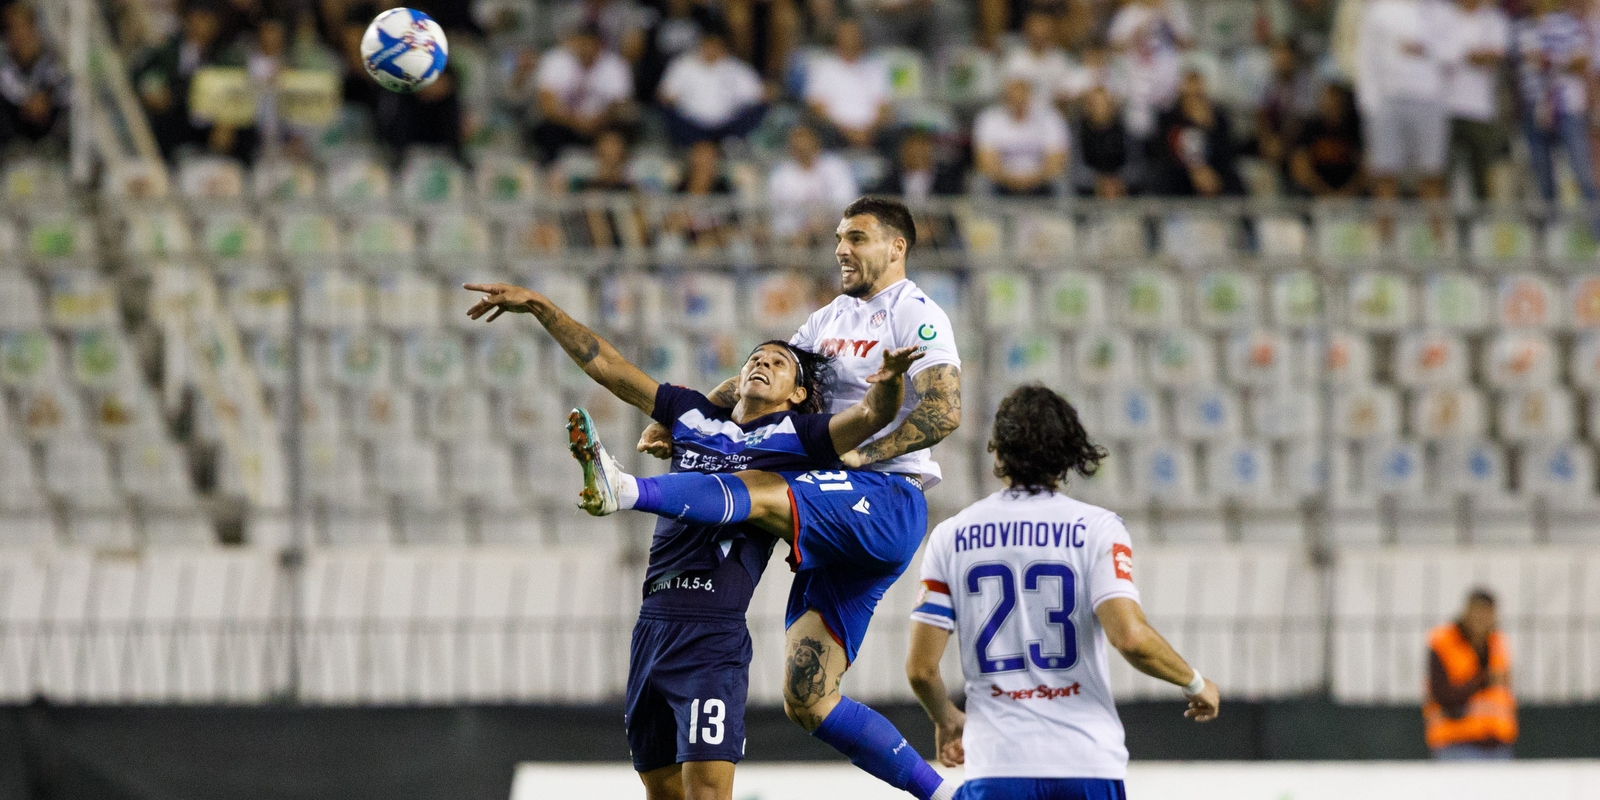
(1039, 441)
(816, 374)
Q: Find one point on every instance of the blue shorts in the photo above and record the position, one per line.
(687, 681)
(855, 532)
(1042, 789)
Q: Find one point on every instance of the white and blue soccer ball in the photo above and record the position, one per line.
(404, 50)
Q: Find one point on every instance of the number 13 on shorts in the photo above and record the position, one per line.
(714, 711)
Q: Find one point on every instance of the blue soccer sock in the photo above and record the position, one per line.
(694, 497)
(872, 743)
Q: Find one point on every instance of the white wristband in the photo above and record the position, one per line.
(1195, 686)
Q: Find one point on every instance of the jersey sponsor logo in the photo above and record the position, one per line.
(1040, 692)
(878, 318)
(859, 348)
(1122, 558)
(926, 332)
(691, 461)
(1017, 534)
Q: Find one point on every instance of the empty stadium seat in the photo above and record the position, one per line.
(1227, 301)
(160, 233)
(21, 307)
(1148, 300)
(25, 519)
(1008, 301)
(81, 301)
(1258, 358)
(78, 473)
(1448, 414)
(1298, 300)
(1180, 358)
(1073, 300)
(1454, 301)
(1379, 301)
(1207, 413)
(1527, 302)
(1520, 361)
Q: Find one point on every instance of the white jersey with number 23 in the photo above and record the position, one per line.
(1018, 578)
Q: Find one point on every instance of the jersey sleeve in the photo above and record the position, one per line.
(817, 439)
(1111, 572)
(920, 322)
(675, 401)
(934, 606)
(806, 337)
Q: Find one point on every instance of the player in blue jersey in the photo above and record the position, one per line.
(853, 531)
(689, 666)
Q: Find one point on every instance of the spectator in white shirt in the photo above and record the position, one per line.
(808, 190)
(1043, 62)
(708, 95)
(848, 92)
(1553, 62)
(1401, 55)
(582, 89)
(1022, 143)
(1480, 34)
(1150, 36)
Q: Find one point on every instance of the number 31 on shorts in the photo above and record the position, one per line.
(714, 712)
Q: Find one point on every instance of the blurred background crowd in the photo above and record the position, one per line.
(817, 100)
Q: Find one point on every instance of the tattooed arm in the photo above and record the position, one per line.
(598, 358)
(936, 415)
(726, 394)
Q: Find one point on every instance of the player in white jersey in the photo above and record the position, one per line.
(853, 531)
(1035, 584)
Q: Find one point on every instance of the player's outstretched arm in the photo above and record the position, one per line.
(598, 358)
(922, 670)
(937, 415)
(887, 391)
(1129, 632)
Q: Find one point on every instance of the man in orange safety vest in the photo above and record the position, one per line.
(1469, 711)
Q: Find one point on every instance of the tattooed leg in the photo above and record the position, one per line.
(812, 670)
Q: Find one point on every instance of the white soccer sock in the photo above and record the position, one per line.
(946, 790)
(627, 491)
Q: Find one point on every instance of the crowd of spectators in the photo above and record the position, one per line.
(1105, 98)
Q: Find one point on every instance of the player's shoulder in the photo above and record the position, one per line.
(1099, 520)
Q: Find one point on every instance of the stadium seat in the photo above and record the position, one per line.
(1454, 301)
(506, 359)
(453, 238)
(457, 413)
(1367, 413)
(380, 242)
(1502, 241)
(1284, 414)
(632, 303)
(309, 241)
(407, 300)
(1148, 300)
(1132, 412)
(258, 299)
(1432, 358)
(283, 182)
(1042, 239)
(1527, 302)
(134, 179)
(529, 413)
(1027, 356)
(1179, 358)
(1103, 356)
(433, 360)
(1568, 242)
(34, 182)
(1227, 301)
(21, 307)
(382, 413)
(1520, 361)
(232, 238)
(359, 359)
(503, 181)
(1194, 240)
(60, 240)
(1167, 475)
(156, 476)
(1582, 303)
(25, 519)
(209, 181)
(357, 181)
(1257, 358)
(969, 76)
(430, 181)
(1008, 301)
(1281, 238)
(1207, 413)
(1298, 300)
(1073, 300)
(1117, 237)
(1446, 413)
(1347, 240)
(81, 301)
(1379, 302)
(1476, 471)
(1416, 241)
(48, 409)
(1341, 358)
(702, 302)
(1537, 414)
(154, 234)
(779, 302)
(78, 474)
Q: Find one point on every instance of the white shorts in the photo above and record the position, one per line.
(1406, 134)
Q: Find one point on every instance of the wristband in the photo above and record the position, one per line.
(1195, 686)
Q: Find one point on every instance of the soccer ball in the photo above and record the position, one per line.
(404, 50)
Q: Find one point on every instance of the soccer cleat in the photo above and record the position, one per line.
(601, 475)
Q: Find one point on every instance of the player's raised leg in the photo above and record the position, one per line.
(813, 667)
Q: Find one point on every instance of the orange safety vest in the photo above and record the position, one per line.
(1491, 713)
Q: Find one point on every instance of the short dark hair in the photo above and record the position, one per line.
(889, 212)
(816, 372)
(1038, 441)
(1480, 595)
